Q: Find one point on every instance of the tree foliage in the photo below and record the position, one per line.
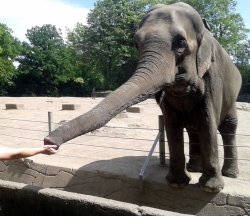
(9, 49)
(242, 58)
(46, 62)
(107, 39)
(76, 42)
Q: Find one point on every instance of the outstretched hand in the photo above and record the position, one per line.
(49, 149)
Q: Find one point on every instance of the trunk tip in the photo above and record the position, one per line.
(48, 141)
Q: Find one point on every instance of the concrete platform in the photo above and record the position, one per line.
(106, 163)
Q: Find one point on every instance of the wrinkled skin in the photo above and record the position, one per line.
(196, 86)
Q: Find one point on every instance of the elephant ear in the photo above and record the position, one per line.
(205, 54)
(206, 24)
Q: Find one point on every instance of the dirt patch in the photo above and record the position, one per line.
(134, 134)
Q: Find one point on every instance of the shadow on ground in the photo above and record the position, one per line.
(117, 179)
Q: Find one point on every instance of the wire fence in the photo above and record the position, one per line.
(44, 132)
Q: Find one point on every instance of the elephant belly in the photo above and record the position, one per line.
(185, 105)
(184, 102)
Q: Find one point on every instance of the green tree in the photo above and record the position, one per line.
(108, 39)
(9, 49)
(46, 62)
(111, 26)
(242, 59)
(91, 76)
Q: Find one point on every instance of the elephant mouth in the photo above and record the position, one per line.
(180, 92)
(181, 81)
(180, 77)
(180, 87)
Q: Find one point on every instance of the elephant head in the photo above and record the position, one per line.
(174, 50)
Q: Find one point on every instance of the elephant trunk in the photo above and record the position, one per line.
(148, 79)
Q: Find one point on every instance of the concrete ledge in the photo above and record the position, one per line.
(104, 179)
(22, 199)
(134, 109)
(14, 106)
(71, 106)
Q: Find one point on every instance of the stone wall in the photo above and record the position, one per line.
(22, 199)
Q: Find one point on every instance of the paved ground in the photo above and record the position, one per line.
(107, 162)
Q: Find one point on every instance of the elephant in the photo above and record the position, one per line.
(196, 86)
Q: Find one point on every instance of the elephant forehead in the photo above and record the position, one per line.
(173, 15)
(161, 14)
(165, 32)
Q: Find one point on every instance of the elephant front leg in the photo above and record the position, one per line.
(211, 179)
(177, 177)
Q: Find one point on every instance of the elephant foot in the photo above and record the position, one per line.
(230, 169)
(178, 179)
(212, 184)
(194, 165)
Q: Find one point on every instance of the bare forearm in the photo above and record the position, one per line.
(10, 154)
(25, 152)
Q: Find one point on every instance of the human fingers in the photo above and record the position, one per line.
(51, 146)
(50, 149)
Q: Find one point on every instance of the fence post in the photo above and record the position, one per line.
(162, 141)
(50, 120)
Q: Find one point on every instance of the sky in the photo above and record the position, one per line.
(20, 15)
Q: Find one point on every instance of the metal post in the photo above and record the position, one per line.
(50, 119)
(162, 141)
(146, 163)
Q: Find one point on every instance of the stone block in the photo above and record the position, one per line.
(134, 109)
(71, 106)
(121, 115)
(14, 106)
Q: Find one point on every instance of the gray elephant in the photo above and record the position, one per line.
(196, 85)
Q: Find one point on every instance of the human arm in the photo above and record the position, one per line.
(17, 153)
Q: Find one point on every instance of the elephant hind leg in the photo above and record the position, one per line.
(194, 163)
(227, 129)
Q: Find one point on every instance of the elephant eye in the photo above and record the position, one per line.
(136, 46)
(180, 45)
